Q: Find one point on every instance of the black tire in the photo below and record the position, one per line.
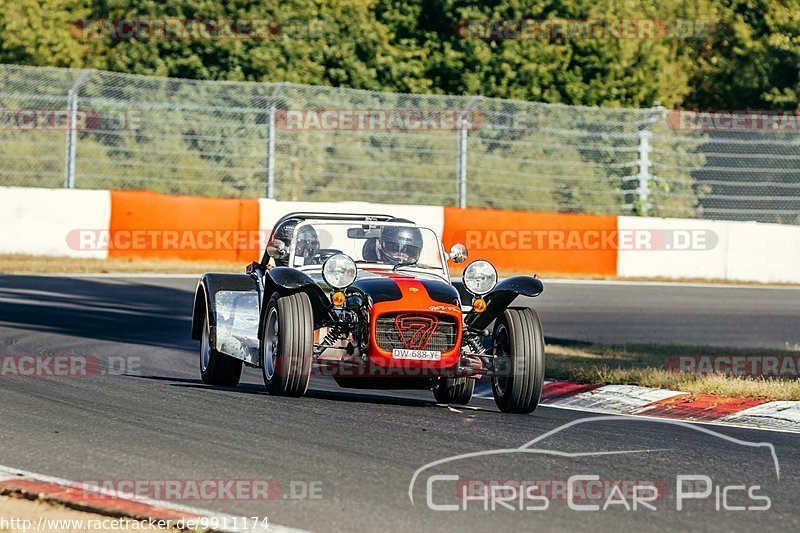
(287, 344)
(454, 390)
(518, 343)
(217, 368)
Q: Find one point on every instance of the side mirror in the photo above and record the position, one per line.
(276, 249)
(458, 253)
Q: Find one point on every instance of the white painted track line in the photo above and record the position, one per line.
(8, 473)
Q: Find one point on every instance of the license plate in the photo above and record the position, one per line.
(417, 355)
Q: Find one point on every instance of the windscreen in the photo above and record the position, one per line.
(378, 243)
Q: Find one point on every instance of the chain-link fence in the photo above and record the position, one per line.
(91, 129)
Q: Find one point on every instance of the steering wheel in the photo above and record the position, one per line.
(321, 255)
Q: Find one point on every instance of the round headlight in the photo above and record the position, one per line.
(339, 271)
(480, 277)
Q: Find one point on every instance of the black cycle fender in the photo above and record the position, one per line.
(463, 293)
(499, 299)
(285, 281)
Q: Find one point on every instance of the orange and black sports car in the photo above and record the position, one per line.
(368, 300)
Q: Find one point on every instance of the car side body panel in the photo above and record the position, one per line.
(230, 303)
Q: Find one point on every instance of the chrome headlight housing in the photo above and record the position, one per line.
(479, 277)
(339, 271)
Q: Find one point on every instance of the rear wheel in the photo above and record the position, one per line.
(518, 344)
(454, 390)
(287, 344)
(217, 368)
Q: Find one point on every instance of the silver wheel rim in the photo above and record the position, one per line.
(205, 348)
(501, 382)
(270, 343)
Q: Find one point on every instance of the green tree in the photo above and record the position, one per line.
(42, 32)
(753, 61)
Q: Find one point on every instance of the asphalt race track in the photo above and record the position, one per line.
(669, 313)
(360, 450)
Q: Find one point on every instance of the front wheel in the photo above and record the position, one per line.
(217, 368)
(518, 346)
(454, 390)
(287, 344)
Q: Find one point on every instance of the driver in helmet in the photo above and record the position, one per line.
(399, 244)
(306, 243)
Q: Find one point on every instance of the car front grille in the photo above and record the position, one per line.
(441, 339)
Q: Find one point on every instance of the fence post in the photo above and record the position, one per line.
(461, 160)
(644, 176)
(271, 141)
(643, 190)
(72, 134)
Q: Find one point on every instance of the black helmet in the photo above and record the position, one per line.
(306, 244)
(400, 244)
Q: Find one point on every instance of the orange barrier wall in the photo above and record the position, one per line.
(149, 225)
(531, 242)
